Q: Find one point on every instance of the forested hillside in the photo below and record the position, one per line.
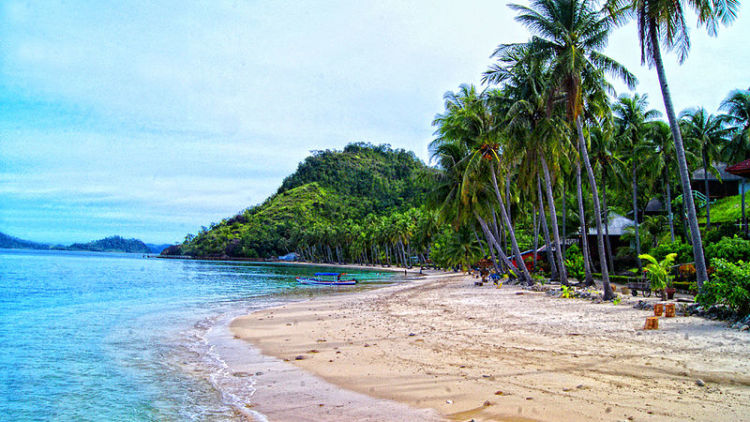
(332, 195)
(111, 244)
(11, 242)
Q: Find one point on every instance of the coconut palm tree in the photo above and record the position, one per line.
(461, 130)
(631, 117)
(706, 133)
(737, 107)
(532, 130)
(657, 152)
(663, 21)
(570, 35)
(607, 160)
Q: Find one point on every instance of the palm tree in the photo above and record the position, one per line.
(460, 132)
(664, 21)
(631, 116)
(531, 129)
(657, 151)
(706, 133)
(570, 36)
(606, 158)
(737, 107)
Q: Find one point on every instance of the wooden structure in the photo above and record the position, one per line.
(658, 309)
(652, 323)
(669, 310)
(643, 286)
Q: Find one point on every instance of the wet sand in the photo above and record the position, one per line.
(461, 352)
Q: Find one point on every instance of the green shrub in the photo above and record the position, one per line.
(659, 273)
(574, 263)
(732, 249)
(729, 285)
(683, 250)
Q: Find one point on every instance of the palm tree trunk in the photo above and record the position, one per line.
(742, 200)
(692, 217)
(536, 235)
(514, 245)
(705, 185)
(484, 254)
(607, 243)
(635, 217)
(493, 240)
(564, 221)
(553, 219)
(584, 233)
(607, 294)
(669, 208)
(507, 197)
(550, 257)
(492, 252)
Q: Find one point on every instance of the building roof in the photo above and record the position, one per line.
(721, 167)
(654, 205)
(616, 225)
(740, 169)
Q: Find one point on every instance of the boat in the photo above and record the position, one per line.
(327, 279)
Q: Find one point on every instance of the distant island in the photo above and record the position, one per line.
(108, 244)
(111, 244)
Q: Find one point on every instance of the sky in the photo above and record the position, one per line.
(150, 119)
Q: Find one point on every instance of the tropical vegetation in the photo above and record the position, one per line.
(542, 152)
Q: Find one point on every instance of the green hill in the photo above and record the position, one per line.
(111, 244)
(11, 242)
(331, 191)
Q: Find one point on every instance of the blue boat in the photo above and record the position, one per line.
(327, 279)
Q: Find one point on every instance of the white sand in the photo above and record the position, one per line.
(491, 354)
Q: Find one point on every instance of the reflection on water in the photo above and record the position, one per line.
(87, 336)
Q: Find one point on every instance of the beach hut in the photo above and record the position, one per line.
(729, 185)
(742, 170)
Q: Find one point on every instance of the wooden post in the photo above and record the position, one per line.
(652, 323)
(658, 309)
(669, 310)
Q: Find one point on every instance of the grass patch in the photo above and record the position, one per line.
(725, 210)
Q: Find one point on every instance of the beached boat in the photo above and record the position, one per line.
(327, 279)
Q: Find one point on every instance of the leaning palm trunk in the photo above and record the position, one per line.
(492, 251)
(496, 233)
(514, 244)
(536, 236)
(744, 217)
(687, 195)
(584, 233)
(564, 222)
(635, 219)
(545, 230)
(553, 219)
(669, 208)
(493, 240)
(484, 254)
(705, 185)
(605, 208)
(607, 294)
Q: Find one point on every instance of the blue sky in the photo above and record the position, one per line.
(149, 119)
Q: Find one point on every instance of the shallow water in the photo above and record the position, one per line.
(91, 336)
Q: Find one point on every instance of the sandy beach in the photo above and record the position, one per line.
(441, 348)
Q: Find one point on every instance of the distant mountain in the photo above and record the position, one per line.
(157, 248)
(11, 242)
(112, 244)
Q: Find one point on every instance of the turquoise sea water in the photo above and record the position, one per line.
(118, 337)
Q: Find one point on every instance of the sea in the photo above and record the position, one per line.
(123, 337)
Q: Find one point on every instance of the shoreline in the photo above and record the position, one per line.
(441, 344)
(275, 380)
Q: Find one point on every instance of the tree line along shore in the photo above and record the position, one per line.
(542, 156)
